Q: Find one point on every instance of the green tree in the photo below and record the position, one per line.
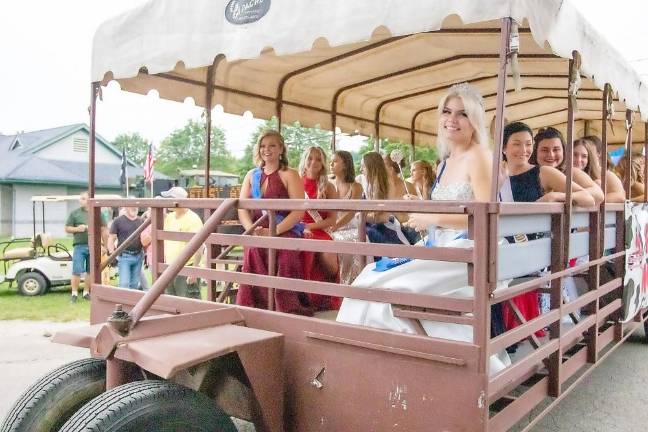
(136, 146)
(421, 152)
(184, 148)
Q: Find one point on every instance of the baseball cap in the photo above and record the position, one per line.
(175, 192)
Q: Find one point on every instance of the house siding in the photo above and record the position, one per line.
(63, 151)
(56, 213)
(6, 210)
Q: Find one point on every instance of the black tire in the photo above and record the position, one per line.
(150, 406)
(50, 401)
(32, 284)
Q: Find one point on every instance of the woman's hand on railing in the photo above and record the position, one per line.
(420, 221)
(552, 196)
(262, 232)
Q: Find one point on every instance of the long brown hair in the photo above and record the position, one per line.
(283, 160)
(429, 176)
(349, 170)
(593, 167)
(377, 181)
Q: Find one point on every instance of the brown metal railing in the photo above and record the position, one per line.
(482, 275)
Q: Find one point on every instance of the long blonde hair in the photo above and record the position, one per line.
(283, 160)
(377, 181)
(322, 178)
(474, 109)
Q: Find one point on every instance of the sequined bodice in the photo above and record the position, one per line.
(458, 191)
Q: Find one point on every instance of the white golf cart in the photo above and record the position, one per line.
(42, 263)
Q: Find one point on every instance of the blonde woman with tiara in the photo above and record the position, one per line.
(464, 175)
(318, 266)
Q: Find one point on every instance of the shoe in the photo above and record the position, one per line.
(74, 298)
(86, 296)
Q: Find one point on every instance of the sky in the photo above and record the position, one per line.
(45, 49)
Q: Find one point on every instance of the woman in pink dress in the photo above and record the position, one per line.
(319, 266)
(273, 179)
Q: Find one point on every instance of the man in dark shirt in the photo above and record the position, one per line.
(77, 225)
(131, 258)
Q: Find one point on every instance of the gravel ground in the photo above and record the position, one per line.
(613, 398)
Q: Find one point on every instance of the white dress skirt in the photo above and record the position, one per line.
(438, 278)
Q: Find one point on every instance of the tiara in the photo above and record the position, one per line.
(468, 90)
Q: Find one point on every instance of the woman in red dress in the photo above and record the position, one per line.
(319, 266)
(273, 179)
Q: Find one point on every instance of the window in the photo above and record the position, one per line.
(80, 145)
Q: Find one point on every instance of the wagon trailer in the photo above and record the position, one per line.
(159, 362)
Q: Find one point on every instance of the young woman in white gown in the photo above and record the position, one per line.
(464, 175)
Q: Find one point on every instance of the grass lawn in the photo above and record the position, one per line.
(53, 306)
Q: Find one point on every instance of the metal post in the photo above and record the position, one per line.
(272, 257)
(627, 181)
(34, 218)
(157, 246)
(505, 41)
(94, 92)
(209, 92)
(174, 268)
(574, 65)
(646, 162)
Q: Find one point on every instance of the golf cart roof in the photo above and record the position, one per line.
(62, 198)
(367, 65)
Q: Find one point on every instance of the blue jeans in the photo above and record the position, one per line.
(130, 269)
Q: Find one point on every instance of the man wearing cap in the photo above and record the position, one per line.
(182, 220)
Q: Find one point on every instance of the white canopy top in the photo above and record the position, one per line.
(362, 62)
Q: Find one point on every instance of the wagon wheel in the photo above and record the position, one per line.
(50, 401)
(150, 406)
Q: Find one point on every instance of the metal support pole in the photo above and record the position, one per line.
(646, 162)
(505, 41)
(174, 268)
(574, 65)
(272, 257)
(627, 181)
(209, 92)
(94, 92)
(607, 94)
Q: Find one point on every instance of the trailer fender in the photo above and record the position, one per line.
(230, 362)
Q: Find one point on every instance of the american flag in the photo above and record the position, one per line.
(148, 165)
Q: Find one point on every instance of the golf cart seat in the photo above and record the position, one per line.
(18, 253)
(56, 251)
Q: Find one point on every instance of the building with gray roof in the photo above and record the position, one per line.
(52, 162)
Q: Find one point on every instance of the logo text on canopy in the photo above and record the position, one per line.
(246, 11)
